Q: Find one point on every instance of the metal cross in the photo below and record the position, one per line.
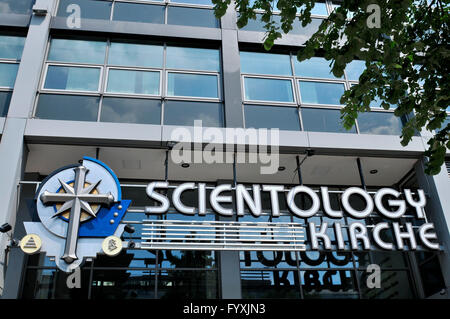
(76, 198)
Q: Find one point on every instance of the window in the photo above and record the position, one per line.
(196, 13)
(265, 63)
(283, 118)
(10, 54)
(120, 81)
(381, 123)
(323, 120)
(315, 67)
(354, 70)
(276, 90)
(16, 6)
(321, 92)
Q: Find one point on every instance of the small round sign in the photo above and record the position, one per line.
(112, 246)
(31, 244)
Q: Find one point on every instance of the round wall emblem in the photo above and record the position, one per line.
(112, 245)
(31, 244)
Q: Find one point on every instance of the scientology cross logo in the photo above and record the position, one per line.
(78, 206)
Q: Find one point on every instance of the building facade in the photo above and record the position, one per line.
(124, 81)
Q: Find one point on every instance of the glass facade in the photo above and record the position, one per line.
(278, 81)
(175, 274)
(131, 82)
(195, 13)
(11, 47)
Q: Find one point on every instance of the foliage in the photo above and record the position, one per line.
(406, 56)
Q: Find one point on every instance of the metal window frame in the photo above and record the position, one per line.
(71, 65)
(268, 102)
(9, 61)
(106, 82)
(321, 81)
(196, 98)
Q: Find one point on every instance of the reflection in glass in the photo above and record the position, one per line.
(8, 72)
(329, 284)
(270, 284)
(133, 82)
(80, 51)
(51, 284)
(381, 123)
(185, 113)
(204, 2)
(196, 85)
(11, 46)
(321, 92)
(134, 54)
(262, 116)
(126, 110)
(323, 120)
(314, 67)
(67, 107)
(395, 284)
(5, 98)
(354, 69)
(193, 59)
(72, 78)
(135, 12)
(195, 17)
(123, 284)
(320, 8)
(184, 284)
(276, 90)
(265, 63)
(16, 6)
(89, 9)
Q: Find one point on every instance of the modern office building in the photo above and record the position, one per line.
(118, 80)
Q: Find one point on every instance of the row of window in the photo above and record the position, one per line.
(118, 81)
(177, 12)
(10, 53)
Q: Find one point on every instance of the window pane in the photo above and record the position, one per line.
(124, 110)
(192, 16)
(323, 120)
(131, 54)
(16, 6)
(197, 85)
(133, 82)
(72, 78)
(138, 12)
(314, 68)
(89, 9)
(354, 70)
(265, 63)
(80, 51)
(394, 285)
(193, 59)
(8, 72)
(270, 284)
(320, 92)
(5, 98)
(268, 90)
(329, 284)
(67, 107)
(192, 284)
(11, 47)
(123, 284)
(320, 8)
(283, 118)
(204, 2)
(382, 123)
(184, 113)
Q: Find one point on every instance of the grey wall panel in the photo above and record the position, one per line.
(92, 133)
(364, 144)
(141, 29)
(2, 124)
